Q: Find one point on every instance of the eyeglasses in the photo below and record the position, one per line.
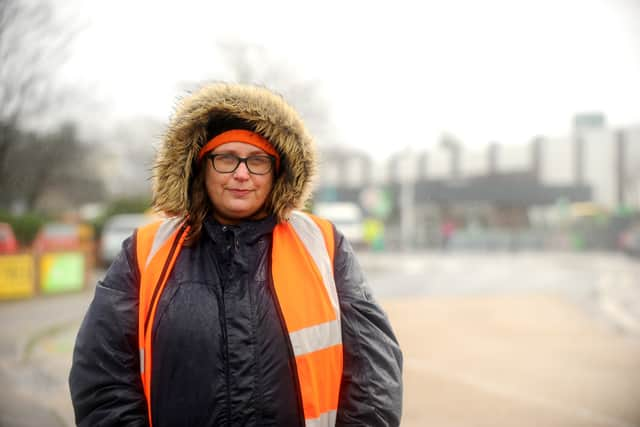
(228, 163)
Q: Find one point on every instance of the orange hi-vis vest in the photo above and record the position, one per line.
(302, 269)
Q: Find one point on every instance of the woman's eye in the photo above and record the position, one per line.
(259, 160)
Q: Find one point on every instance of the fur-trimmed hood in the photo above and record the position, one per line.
(271, 116)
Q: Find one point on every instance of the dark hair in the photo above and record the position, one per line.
(200, 207)
(219, 124)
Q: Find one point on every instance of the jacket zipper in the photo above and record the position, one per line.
(225, 336)
(292, 358)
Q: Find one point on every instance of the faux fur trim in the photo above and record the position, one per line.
(272, 117)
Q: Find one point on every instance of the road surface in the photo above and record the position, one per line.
(529, 339)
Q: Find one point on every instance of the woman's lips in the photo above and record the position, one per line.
(238, 192)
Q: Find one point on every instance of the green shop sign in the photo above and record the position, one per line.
(62, 272)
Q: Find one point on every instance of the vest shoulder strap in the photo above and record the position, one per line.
(157, 248)
(302, 269)
(144, 240)
(327, 232)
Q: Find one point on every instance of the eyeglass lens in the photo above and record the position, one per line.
(227, 163)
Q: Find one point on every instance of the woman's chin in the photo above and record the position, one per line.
(239, 213)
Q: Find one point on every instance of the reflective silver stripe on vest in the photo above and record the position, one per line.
(315, 338)
(166, 229)
(312, 238)
(326, 419)
(142, 360)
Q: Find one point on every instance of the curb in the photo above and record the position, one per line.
(25, 352)
(26, 347)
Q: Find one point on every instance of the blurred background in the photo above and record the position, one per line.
(482, 157)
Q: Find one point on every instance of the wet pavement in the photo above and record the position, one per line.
(20, 406)
(36, 339)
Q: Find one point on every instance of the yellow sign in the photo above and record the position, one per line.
(16, 276)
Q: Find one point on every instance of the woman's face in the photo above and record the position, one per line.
(240, 194)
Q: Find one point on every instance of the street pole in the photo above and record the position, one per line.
(407, 205)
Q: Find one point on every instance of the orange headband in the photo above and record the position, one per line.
(240, 135)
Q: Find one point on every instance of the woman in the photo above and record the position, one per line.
(238, 309)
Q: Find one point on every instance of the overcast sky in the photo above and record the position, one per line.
(394, 74)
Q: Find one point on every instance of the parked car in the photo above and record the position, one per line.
(56, 236)
(116, 230)
(629, 241)
(8, 242)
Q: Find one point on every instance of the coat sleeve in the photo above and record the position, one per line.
(106, 389)
(371, 390)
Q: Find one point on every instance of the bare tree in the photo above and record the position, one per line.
(56, 162)
(254, 64)
(33, 47)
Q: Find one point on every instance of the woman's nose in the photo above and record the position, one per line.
(241, 171)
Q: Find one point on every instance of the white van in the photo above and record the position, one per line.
(346, 216)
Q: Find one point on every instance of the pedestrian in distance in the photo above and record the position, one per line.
(238, 308)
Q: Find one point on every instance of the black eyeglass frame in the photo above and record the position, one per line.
(244, 160)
